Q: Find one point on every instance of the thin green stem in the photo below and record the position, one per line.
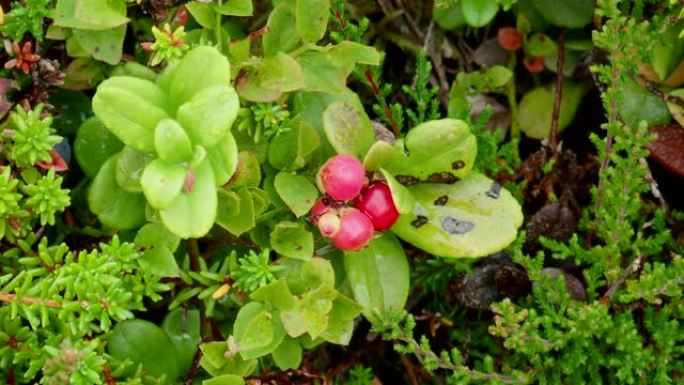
(219, 30)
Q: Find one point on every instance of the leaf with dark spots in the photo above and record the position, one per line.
(457, 165)
(419, 221)
(668, 148)
(494, 191)
(441, 201)
(443, 177)
(454, 226)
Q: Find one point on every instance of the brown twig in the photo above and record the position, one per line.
(8, 298)
(629, 270)
(109, 380)
(194, 253)
(553, 137)
(194, 368)
(410, 370)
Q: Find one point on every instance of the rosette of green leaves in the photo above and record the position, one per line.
(177, 145)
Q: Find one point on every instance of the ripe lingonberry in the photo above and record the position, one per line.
(509, 39)
(534, 65)
(342, 177)
(321, 207)
(376, 202)
(355, 230)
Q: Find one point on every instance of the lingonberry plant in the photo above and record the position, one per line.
(331, 192)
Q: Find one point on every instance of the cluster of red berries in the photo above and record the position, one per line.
(353, 208)
(511, 40)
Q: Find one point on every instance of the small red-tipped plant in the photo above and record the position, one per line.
(342, 177)
(509, 39)
(355, 230)
(376, 202)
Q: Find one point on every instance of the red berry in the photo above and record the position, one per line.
(329, 224)
(509, 39)
(342, 177)
(321, 207)
(534, 65)
(355, 231)
(376, 202)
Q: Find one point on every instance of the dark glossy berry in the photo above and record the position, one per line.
(342, 177)
(376, 202)
(355, 231)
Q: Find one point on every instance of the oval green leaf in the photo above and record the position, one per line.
(471, 218)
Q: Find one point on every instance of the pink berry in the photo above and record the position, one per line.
(376, 202)
(329, 224)
(342, 177)
(321, 207)
(355, 231)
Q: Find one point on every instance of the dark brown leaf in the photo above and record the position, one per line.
(668, 148)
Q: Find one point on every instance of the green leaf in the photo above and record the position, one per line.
(280, 73)
(478, 13)
(225, 379)
(293, 149)
(341, 320)
(379, 275)
(276, 294)
(158, 244)
(539, 44)
(224, 159)
(305, 276)
(236, 8)
(566, 13)
(90, 14)
(439, 151)
(283, 35)
(171, 142)
(217, 363)
(401, 196)
(203, 13)
(183, 328)
(312, 19)
(322, 74)
(162, 183)
(310, 315)
(130, 164)
(201, 68)
(298, 193)
(191, 215)
(113, 206)
(638, 103)
(348, 53)
(131, 108)
(249, 87)
(253, 327)
(279, 335)
(498, 76)
(94, 144)
(209, 114)
(248, 171)
(235, 210)
(348, 129)
(536, 108)
(105, 45)
(293, 240)
(146, 344)
(471, 218)
(288, 355)
(448, 17)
